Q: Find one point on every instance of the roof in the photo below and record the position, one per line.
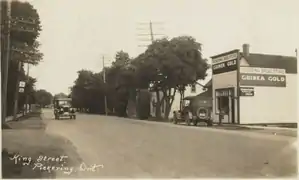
(189, 97)
(204, 95)
(63, 99)
(209, 83)
(272, 61)
(207, 93)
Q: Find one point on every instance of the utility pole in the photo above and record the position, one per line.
(22, 48)
(104, 79)
(16, 95)
(27, 110)
(151, 34)
(5, 27)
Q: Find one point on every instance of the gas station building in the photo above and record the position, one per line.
(250, 88)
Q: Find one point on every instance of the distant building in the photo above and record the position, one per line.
(250, 88)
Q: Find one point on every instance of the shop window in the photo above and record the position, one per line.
(193, 88)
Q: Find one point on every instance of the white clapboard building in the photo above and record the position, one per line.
(250, 88)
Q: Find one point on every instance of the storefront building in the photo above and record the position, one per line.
(254, 88)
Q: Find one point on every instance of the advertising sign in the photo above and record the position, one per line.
(255, 79)
(258, 70)
(22, 84)
(21, 90)
(246, 91)
(225, 63)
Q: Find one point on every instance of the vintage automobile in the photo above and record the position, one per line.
(195, 109)
(63, 108)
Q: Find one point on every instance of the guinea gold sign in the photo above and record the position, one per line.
(254, 79)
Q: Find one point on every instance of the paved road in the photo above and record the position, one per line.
(131, 148)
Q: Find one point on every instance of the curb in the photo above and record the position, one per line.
(10, 118)
(269, 128)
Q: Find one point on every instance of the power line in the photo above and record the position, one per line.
(150, 32)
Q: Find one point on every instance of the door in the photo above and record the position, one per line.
(233, 109)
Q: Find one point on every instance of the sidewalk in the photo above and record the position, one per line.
(260, 129)
(10, 118)
(29, 139)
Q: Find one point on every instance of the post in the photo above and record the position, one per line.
(151, 31)
(5, 61)
(27, 93)
(16, 95)
(104, 78)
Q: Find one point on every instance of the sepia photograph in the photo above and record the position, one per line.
(149, 89)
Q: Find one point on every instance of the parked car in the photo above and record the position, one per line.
(195, 110)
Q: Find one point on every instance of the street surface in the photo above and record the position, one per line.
(132, 148)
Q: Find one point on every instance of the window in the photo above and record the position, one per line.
(61, 103)
(222, 101)
(193, 88)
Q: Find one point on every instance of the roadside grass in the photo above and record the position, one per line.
(27, 138)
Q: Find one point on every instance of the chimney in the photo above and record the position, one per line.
(246, 50)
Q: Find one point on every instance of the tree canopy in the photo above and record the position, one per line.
(165, 67)
(43, 97)
(24, 30)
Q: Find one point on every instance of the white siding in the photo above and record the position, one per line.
(224, 80)
(271, 104)
(243, 62)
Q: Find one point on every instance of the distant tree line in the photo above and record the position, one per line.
(166, 67)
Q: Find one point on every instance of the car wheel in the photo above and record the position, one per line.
(175, 120)
(188, 122)
(195, 123)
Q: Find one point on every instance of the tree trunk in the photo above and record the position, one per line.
(169, 97)
(181, 99)
(158, 105)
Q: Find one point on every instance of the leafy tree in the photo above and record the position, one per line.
(60, 95)
(88, 91)
(120, 84)
(169, 65)
(24, 46)
(43, 97)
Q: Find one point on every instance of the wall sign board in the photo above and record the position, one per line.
(21, 90)
(258, 70)
(246, 91)
(225, 63)
(254, 79)
(225, 67)
(22, 84)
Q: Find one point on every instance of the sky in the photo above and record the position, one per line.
(76, 34)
